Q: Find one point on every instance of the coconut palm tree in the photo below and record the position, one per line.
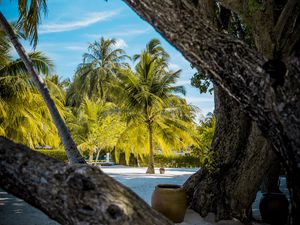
(94, 75)
(149, 101)
(155, 49)
(28, 21)
(24, 116)
(94, 126)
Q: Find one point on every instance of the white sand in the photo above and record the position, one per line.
(14, 211)
(143, 184)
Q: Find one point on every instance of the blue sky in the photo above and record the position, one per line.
(70, 26)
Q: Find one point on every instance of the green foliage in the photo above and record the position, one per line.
(58, 154)
(202, 82)
(177, 161)
(24, 116)
(95, 126)
(255, 5)
(150, 105)
(166, 161)
(94, 76)
(30, 16)
(206, 131)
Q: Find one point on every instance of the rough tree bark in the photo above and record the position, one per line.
(229, 185)
(71, 194)
(70, 146)
(238, 170)
(237, 69)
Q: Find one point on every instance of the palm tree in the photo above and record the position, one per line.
(23, 114)
(148, 97)
(28, 21)
(94, 75)
(155, 49)
(94, 126)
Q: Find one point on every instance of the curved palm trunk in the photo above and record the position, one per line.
(70, 146)
(97, 157)
(91, 155)
(151, 155)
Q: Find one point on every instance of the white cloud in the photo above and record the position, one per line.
(130, 32)
(174, 67)
(92, 18)
(197, 100)
(124, 33)
(76, 48)
(183, 82)
(120, 43)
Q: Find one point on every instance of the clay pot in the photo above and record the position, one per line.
(274, 208)
(170, 200)
(162, 170)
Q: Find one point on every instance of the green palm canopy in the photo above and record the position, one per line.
(152, 108)
(24, 116)
(98, 70)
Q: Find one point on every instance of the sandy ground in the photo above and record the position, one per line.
(14, 211)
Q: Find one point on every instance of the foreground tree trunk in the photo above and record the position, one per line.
(228, 185)
(71, 194)
(237, 68)
(70, 146)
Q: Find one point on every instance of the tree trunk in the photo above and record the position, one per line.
(228, 186)
(237, 68)
(91, 155)
(70, 146)
(137, 160)
(71, 194)
(270, 181)
(150, 168)
(97, 157)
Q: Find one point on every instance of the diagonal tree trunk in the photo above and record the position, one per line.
(70, 146)
(71, 194)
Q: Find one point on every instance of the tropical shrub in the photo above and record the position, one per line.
(58, 154)
(167, 161)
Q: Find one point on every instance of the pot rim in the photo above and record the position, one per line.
(169, 186)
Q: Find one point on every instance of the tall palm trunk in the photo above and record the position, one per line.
(70, 146)
(91, 155)
(151, 155)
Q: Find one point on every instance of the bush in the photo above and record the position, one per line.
(171, 161)
(176, 161)
(58, 154)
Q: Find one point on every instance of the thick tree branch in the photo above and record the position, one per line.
(229, 62)
(238, 70)
(71, 194)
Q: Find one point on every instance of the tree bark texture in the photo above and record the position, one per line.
(239, 164)
(237, 69)
(70, 146)
(230, 151)
(71, 194)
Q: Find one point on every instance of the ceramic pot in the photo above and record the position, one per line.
(170, 200)
(274, 208)
(162, 170)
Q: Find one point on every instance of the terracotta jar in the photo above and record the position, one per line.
(162, 170)
(170, 200)
(274, 208)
